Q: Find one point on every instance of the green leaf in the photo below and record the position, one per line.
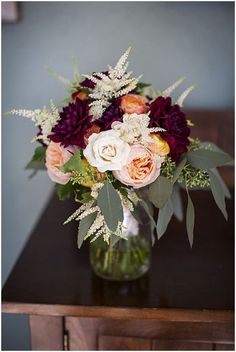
(110, 204)
(73, 164)
(177, 203)
(164, 217)
(207, 159)
(39, 154)
(114, 240)
(222, 183)
(64, 191)
(178, 169)
(82, 195)
(160, 191)
(218, 192)
(148, 209)
(190, 216)
(84, 226)
(56, 75)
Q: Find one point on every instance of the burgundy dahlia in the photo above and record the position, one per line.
(87, 83)
(73, 124)
(173, 120)
(113, 113)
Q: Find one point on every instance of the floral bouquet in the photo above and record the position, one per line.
(122, 148)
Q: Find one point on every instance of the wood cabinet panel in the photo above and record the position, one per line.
(46, 333)
(158, 345)
(121, 343)
(223, 347)
(107, 334)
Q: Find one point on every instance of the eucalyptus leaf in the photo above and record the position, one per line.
(222, 183)
(218, 192)
(74, 163)
(178, 169)
(110, 204)
(215, 147)
(164, 217)
(114, 239)
(160, 191)
(207, 159)
(190, 217)
(177, 203)
(84, 226)
(147, 206)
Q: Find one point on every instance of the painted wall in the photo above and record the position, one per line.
(168, 39)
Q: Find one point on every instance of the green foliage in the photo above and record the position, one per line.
(64, 191)
(74, 163)
(179, 169)
(164, 217)
(56, 75)
(168, 168)
(218, 192)
(39, 153)
(141, 86)
(84, 226)
(193, 177)
(177, 202)
(207, 159)
(159, 191)
(190, 217)
(110, 204)
(82, 194)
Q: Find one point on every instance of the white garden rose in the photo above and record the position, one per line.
(107, 151)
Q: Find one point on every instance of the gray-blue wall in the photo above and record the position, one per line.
(168, 39)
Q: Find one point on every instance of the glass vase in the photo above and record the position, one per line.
(126, 259)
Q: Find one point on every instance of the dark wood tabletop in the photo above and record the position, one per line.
(52, 276)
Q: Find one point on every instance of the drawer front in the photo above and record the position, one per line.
(112, 334)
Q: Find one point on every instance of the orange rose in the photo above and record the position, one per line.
(57, 156)
(134, 104)
(142, 168)
(159, 145)
(90, 131)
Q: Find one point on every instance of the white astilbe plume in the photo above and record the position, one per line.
(113, 85)
(134, 128)
(184, 95)
(45, 118)
(167, 92)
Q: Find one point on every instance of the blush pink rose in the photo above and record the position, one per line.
(133, 104)
(142, 168)
(57, 156)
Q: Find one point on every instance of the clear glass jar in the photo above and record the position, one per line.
(126, 259)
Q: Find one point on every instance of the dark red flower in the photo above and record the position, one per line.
(73, 124)
(113, 113)
(173, 120)
(87, 83)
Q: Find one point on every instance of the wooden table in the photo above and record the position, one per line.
(184, 302)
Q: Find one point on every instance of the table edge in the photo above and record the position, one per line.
(161, 314)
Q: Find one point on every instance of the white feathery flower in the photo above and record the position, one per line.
(87, 212)
(134, 128)
(44, 118)
(113, 85)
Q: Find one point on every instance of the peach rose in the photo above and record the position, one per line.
(57, 156)
(142, 168)
(134, 104)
